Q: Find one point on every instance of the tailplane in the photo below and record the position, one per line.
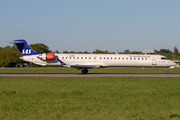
(24, 48)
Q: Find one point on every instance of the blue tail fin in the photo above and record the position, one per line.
(24, 48)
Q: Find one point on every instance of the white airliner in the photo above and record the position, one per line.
(87, 61)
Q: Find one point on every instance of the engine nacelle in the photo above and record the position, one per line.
(47, 56)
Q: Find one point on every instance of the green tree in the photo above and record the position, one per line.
(79, 52)
(15, 49)
(120, 52)
(8, 47)
(176, 51)
(127, 51)
(165, 51)
(176, 57)
(135, 52)
(65, 51)
(57, 51)
(40, 47)
(169, 56)
(100, 51)
(72, 52)
(87, 52)
(8, 56)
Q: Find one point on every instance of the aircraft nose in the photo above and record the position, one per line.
(174, 63)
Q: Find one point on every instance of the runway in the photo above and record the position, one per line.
(89, 75)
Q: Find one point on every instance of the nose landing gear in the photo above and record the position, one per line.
(167, 70)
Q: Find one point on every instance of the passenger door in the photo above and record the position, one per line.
(154, 61)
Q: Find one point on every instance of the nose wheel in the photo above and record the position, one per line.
(84, 71)
(167, 71)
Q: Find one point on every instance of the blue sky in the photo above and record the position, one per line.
(86, 25)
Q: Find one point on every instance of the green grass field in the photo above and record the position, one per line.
(89, 98)
(73, 70)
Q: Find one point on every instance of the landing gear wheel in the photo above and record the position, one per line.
(84, 71)
(167, 71)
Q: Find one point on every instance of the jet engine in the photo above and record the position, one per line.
(47, 56)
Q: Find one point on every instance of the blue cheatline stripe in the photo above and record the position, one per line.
(62, 63)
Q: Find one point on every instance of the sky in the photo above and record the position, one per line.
(87, 25)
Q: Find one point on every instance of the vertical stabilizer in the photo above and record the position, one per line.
(24, 48)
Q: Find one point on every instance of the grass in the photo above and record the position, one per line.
(73, 70)
(89, 98)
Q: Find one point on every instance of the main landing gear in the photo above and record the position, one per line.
(84, 71)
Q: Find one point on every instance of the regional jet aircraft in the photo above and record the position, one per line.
(86, 61)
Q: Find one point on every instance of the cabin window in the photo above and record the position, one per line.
(66, 57)
(130, 58)
(126, 58)
(119, 58)
(85, 57)
(94, 57)
(111, 58)
(145, 58)
(77, 57)
(100, 57)
(81, 57)
(115, 58)
(104, 58)
(123, 58)
(142, 58)
(69, 57)
(74, 57)
(107, 57)
(89, 57)
(62, 57)
(138, 58)
(134, 58)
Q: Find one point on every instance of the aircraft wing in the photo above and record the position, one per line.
(85, 66)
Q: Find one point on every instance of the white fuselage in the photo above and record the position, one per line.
(104, 60)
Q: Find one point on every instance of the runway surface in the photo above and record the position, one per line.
(89, 75)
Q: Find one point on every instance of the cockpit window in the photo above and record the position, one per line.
(164, 58)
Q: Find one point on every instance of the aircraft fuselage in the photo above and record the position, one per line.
(104, 60)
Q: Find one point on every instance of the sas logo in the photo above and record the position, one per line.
(26, 51)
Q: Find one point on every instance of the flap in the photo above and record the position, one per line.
(85, 66)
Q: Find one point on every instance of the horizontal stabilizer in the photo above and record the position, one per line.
(16, 41)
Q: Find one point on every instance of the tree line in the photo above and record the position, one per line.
(9, 55)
